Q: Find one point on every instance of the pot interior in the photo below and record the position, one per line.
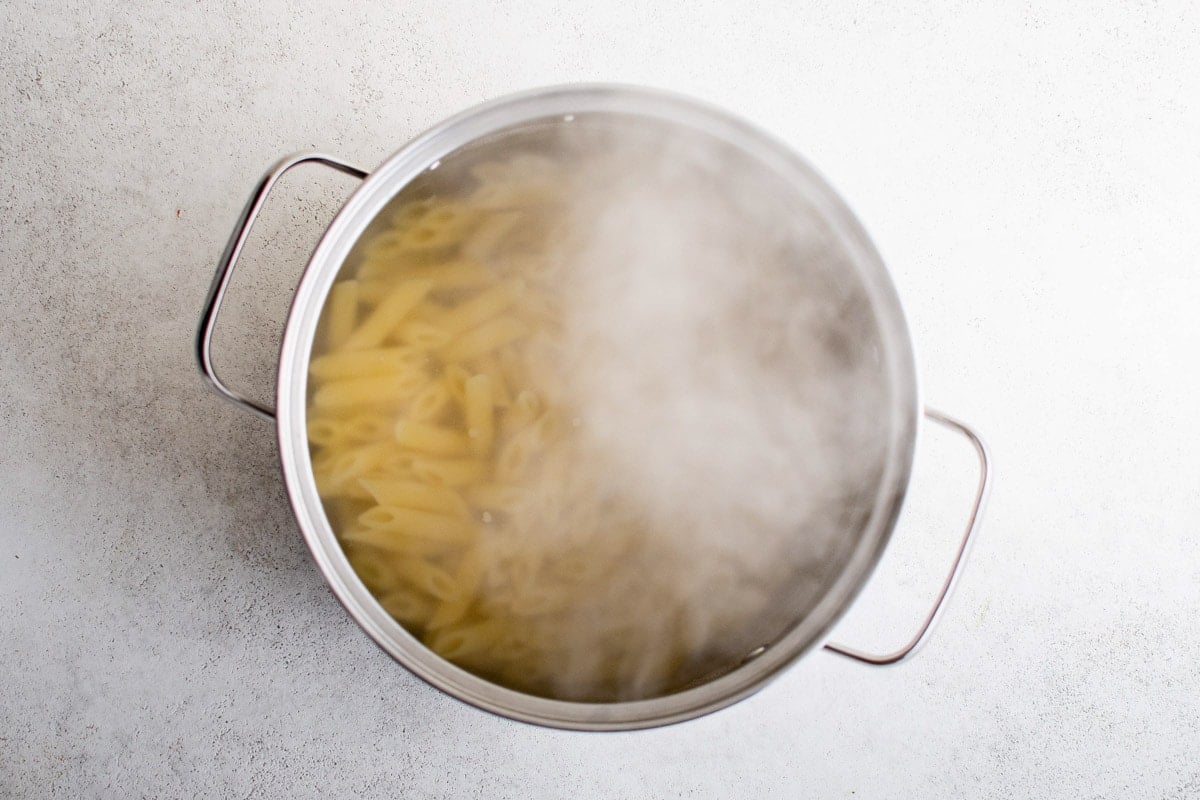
(603, 409)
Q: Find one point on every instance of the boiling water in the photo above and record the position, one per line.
(594, 408)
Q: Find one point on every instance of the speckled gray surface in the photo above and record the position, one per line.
(1029, 175)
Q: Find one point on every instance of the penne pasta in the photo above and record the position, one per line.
(517, 455)
(527, 407)
(430, 403)
(357, 363)
(412, 212)
(437, 230)
(431, 439)
(423, 335)
(484, 306)
(458, 275)
(394, 546)
(377, 573)
(448, 471)
(326, 431)
(486, 338)
(425, 576)
(342, 314)
(480, 414)
(388, 314)
(448, 447)
(465, 642)
(379, 390)
(490, 366)
(489, 235)
(367, 428)
(466, 582)
(495, 197)
(415, 495)
(408, 606)
(456, 382)
(420, 524)
(353, 463)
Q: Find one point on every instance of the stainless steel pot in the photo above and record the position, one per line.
(562, 104)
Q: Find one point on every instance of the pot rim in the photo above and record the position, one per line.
(322, 269)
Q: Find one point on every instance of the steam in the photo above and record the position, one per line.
(723, 398)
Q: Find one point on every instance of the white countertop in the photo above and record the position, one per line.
(1031, 178)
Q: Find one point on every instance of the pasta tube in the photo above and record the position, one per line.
(480, 413)
(448, 471)
(419, 496)
(386, 316)
(487, 337)
(380, 390)
(431, 439)
(417, 523)
(357, 363)
(342, 313)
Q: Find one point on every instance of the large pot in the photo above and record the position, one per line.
(902, 408)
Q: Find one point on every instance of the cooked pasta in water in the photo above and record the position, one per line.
(555, 450)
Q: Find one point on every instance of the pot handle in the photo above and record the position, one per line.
(981, 493)
(237, 240)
